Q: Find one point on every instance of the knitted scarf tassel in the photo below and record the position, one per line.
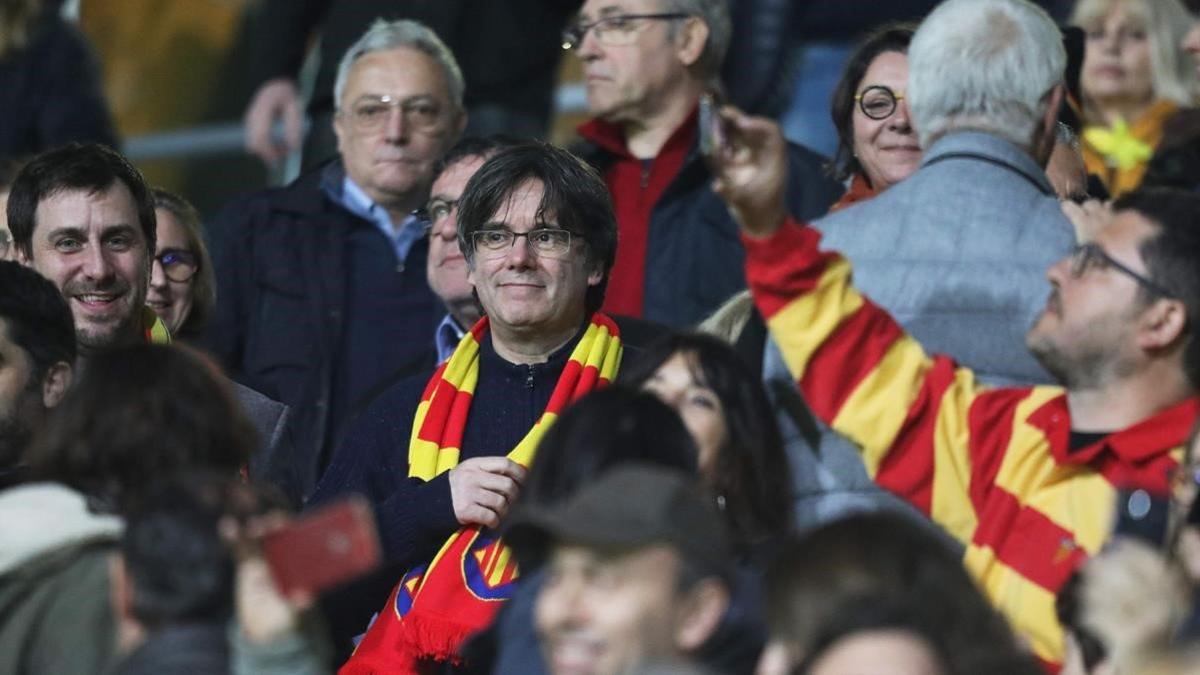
(436, 607)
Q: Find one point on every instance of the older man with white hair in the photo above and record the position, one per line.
(321, 284)
(956, 252)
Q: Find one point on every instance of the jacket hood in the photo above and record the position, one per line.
(38, 518)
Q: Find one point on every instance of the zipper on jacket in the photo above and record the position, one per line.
(529, 377)
(645, 173)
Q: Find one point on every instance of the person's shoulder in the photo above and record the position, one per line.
(395, 405)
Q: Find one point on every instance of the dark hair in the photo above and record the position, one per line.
(607, 427)
(204, 286)
(751, 471)
(888, 555)
(38, 318)
(179, 569)
(870, 613)
(893, 37)
(1172, 256)
(77, 166)
(573, 192)
(476, 146)
(1068, 607)
(137, 412)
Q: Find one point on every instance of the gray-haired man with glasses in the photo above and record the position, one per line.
(646, 64)
(322, 285)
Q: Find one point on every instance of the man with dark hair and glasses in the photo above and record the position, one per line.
(321, 284)
(647, 64)
(536, 228)
(1026, 479)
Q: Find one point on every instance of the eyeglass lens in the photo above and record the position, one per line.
(877, 102)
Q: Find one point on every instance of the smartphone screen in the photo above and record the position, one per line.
(325, 547)
(1143, 516)
(711, 129)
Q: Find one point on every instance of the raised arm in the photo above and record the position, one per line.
(910, 413)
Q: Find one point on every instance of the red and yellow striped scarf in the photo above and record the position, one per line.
(435, 607)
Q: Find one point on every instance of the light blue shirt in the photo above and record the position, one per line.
(446, 337)
(354, 200)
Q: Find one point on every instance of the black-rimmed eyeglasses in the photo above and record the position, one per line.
(878, 102)
(612, 31)
(1087, 256)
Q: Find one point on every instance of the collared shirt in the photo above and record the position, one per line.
(993, 467)
(351, 196)
(446, 337)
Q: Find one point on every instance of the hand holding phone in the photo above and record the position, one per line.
(323, 548)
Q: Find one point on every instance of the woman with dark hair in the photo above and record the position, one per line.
(609, 426)
(723, 405)
(182, 290)
(877, 146)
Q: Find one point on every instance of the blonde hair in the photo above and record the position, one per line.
(1165, 22)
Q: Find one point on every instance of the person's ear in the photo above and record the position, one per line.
(1045, 141)
(1162, 323)
(699, 614)
(459, 126)
(56, 383)
(339, 130)
(690, 41)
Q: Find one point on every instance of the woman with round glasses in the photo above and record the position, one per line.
(877, 146)
(181, 281)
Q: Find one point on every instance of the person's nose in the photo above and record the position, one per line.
(900, 120)
(96, 264)
(519, 255)
(589, 48)
(158, 276)
(397, 129)
(1060, 271)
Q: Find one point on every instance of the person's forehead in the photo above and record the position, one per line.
(888, 67)
(402, 72)
(1124, 236)
(453, 179)
(522, 204)
(87, 209)
(170, 233)
(598, 9)
(615, 558)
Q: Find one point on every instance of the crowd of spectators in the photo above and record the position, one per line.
(683, 397)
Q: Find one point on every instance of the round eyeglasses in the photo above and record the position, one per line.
(612, 31)
(545, 241)
(878, 102)
(178, 265)
(370, 113)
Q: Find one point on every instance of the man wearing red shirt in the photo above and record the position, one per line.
(646, 64)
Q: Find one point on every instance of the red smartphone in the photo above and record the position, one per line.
(324, 548)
